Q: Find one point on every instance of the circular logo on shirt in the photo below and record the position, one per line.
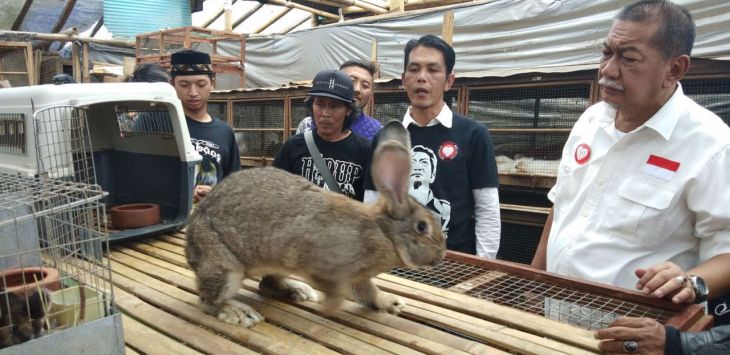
(582, 153)
(448, 150)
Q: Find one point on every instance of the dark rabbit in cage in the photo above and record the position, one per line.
(22, 318)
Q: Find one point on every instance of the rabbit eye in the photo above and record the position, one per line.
(422, 227)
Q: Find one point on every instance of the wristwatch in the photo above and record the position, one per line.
(699, 287)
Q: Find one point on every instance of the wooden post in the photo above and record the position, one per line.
(448, 27)
(85, 63)
(128, 66)
(228, 19)
(75, 61)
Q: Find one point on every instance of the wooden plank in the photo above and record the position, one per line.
(159, 243)
(418, 336)
(154, 261)
(175, 328)
(149, 341)
(85, 62)
(474, 282)
(263, 337)
(488, 311)
(130, 351)
(75, 61)
(397, 5)
(172, 239)
(174, 258)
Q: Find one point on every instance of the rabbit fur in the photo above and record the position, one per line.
(270, 223)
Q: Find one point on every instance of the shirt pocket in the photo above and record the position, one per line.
(640, 212)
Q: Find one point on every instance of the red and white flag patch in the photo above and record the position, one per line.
(662, 168)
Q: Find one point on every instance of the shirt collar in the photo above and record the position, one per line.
(445, 118)
(663, 121)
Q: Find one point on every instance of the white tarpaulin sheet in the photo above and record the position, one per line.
(496, 36)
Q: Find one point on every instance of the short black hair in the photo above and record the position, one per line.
(434, 42)
(675, 34)
(371, 67)
(309, 101)
(149, 73)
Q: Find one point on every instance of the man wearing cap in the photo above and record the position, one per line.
(193, 79)
(362, 74)
(346, 155)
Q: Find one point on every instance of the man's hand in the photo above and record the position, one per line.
(199, 192)
(647, 334)
(665, 280)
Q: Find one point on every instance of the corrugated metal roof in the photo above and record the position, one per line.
(128, 18)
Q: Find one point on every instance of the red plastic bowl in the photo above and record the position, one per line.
(135, 215)
(22, 281)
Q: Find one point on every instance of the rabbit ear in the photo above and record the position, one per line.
(391, 167)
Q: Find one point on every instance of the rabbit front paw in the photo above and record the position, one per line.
(391, 304)
(239, 313)
(300, 291)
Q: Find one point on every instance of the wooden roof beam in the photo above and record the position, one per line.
(361, 4)
(18, 36)
(295, 25)
(273, 19)
(21, 15)
(248, 14)
(64, 16)
(218, 15)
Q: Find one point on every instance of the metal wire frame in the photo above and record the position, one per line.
(155, 121)
(12, 133)
(565, 304)
(63, 147)
(59, 224)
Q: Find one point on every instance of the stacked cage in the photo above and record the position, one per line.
(55, 281)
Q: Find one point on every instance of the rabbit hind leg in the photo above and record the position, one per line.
(217, 289)
(279, 286)
(367, 294)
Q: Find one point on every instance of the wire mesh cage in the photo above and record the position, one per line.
(711, 93)
(548, 298)
(15, 63)
(393, 105)
(53, 272)
(529, 124)
(298, 111)
(518, 242)
(259, 127)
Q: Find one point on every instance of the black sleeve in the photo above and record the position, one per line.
(673, 343)
(235, 155)
(482, 167)
(369, 185)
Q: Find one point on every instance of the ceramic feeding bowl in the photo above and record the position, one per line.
(135, 215)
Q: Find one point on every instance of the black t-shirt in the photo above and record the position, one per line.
(463, 158)
(216, 143)
(346, 159)
(720, 309)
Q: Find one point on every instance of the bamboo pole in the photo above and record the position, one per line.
(364, 5)
(246, 15)
(22, 36)
(85, 62)
(397, 5)
(448, 27)
(294, 5)
(21, 15)
(273, 19)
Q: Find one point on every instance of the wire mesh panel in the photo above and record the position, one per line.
(155, 120)
(393, 105)
(218, 110)
(712, 94)
(63, 147)
(259, 127)
(518, 242)
(14, 64)
(529, 125)
(12, 133)
(298, 111)
(53, 273)
(587, 310)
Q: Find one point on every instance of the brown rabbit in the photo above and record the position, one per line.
(270, 223)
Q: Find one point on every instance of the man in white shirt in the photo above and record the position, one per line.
(642, 191)
(454, 172)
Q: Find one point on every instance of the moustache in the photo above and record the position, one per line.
(611, 84)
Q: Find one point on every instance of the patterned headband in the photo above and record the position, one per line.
(191, 69)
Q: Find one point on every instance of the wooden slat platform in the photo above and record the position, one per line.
(155, 291)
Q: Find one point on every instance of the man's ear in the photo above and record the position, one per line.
(678, 68)
(450, 81)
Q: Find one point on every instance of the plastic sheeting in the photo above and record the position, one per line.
(497, 38)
